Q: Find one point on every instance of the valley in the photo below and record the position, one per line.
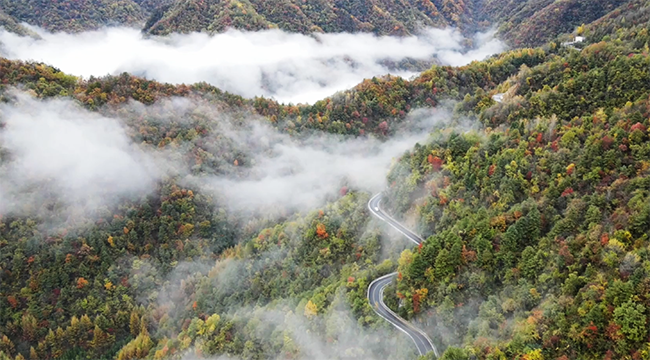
(203, 179)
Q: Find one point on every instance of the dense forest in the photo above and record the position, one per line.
(382, 17)
(534, 22)
(163, 17)
(537, 224)
(521, 23)
(137, 278)
(74, 16)
(536, 216)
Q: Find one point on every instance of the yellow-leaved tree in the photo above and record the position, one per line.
(311, 309)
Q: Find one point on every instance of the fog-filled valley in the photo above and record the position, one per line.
(288, 67)
(324, 180)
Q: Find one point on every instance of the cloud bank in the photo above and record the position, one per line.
(277, 172)
(333, 333)
(301, 174)
(54, 151)
(344, 338)
(289, 67)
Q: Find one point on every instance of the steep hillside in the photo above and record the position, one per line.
(151, 5)
(93, 289)
(378, 16)
(539, 221)
(634, 14)
(73, 16)
(521, 23)
(535, 211)
(11, 24)
(378, 105)
(163, 17)
(535, 22)
(136, 278)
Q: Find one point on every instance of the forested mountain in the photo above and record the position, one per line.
(535, 209)
(102, 287)
(378, 16)
(12, 25)
(540, 222)
(521, 23)
(74, 16)
(534, 22)
(163, 17)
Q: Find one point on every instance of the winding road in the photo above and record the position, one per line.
(376, 288)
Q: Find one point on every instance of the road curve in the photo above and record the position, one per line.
(376, 288)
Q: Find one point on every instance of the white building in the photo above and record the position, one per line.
(498, 97)
(576, 40)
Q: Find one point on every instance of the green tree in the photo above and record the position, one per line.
(531, 263)
(453, 353)
(443, 266)
(630, 316)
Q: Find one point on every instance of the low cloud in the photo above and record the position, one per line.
(289, 67)
(342, 338)
(332, 333)
(277, 173)
(301, 174)
(56, 152)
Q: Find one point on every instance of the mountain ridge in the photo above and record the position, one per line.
(520, 23)
(537, 220)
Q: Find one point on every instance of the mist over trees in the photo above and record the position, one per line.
(145, 220)
(538, 224)
(290, 68)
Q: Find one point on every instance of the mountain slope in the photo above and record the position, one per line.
(539, 221)
(99, 287)
(521, 23)
(535, 22)
(73, 16)
(10, 24)
(378, 16)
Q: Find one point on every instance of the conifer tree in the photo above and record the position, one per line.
(134, 324)
(33, 355)
(6, 345)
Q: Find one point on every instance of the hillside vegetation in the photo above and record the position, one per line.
(539, 223)
(74, 16)
(535, 22)
(520, 23)
(102, 285)
(536, 217)
(382, 17)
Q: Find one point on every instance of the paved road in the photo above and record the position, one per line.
(376, 288)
